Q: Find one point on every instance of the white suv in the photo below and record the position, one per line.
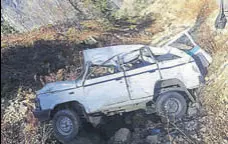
(124, 78)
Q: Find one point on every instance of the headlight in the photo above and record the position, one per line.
(37, 104)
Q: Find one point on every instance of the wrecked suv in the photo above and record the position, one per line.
(125, 78)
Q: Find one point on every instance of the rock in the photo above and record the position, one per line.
(138, 120)
(81, 140)
(23, 109)
(180, 139)
(122, 136)
(136, 137)
(60, 74)
(30, 90)
(194, 136)
(127, 119)
(225, 141)
(96, 120)
(90, 41)
(26, 15)
(192, 111)
(191, 126)
(152, 139)
(203, 130)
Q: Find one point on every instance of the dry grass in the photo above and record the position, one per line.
(215, 99)
(48, 33)
(19, 126)
(215, 94)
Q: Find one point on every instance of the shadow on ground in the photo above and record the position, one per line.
(22, 66)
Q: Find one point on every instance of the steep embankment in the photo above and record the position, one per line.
(214, 95)
(26, 15)
(51, 53)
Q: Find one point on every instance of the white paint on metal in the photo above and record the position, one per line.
(123, 91)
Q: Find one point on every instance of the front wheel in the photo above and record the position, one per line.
(65, 125)
(171, 104)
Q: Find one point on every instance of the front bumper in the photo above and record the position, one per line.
(42, 115)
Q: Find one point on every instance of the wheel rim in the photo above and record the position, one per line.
(172, 106)
(64, 125)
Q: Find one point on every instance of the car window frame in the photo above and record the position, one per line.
(177, 57)
(103, 64)
(141, 56)
(89, 73)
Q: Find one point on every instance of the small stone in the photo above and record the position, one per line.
(225, 141)
(180, 139)
(194, 136)
(127, 119)
(138, 120)
(192, 111)
(203, 130)
(152, 139)
(60, 74)
(90, 41)
(197, 105)
(23, 109)
(96, 120)
(123, 135)
(81, 140)
(191, 125)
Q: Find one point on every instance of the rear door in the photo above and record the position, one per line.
(141, 73)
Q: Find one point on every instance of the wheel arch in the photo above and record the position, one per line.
(73, 105)
(163, 86)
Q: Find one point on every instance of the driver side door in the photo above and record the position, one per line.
(104, 87)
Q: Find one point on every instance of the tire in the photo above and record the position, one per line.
(171, 104)
(65, 125)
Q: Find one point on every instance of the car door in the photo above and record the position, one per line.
(104, 87)
(141, 74)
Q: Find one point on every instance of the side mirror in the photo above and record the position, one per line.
(221, 20)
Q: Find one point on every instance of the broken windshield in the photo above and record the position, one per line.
(183, 43)
(110, 66)
(136, 59)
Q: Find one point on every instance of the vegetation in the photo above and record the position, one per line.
(52, 53)
(6, 28)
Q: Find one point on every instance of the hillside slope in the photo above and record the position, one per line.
(52, 53)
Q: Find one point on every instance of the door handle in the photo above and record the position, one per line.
(118, 78)
(151, 71)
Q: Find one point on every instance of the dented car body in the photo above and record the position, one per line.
(125, 78)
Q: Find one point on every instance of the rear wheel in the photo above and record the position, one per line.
(171, 104)
(65, 125)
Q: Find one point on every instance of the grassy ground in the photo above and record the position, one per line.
(18, 123)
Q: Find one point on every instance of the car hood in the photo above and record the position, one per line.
(57, 86)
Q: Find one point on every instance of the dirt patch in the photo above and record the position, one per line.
(53, 53)
(23, 66)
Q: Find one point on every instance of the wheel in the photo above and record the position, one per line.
(65, 125)
(171, 104)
